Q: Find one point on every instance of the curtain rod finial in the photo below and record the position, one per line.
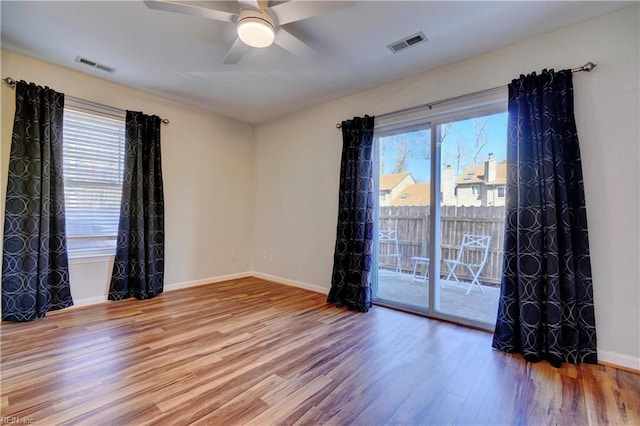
(588, 67)
(11, 82)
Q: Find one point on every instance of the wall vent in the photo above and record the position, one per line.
(409, 41)
(94, 64)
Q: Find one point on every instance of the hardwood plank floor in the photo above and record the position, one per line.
(250, 351)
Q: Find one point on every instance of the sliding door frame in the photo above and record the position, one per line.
(473, 106)
(397, 128)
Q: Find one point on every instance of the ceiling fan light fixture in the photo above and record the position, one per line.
(256, 31)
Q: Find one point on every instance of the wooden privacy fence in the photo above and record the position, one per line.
(412, 227)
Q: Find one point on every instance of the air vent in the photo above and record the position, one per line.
(94, 64)
(409, 41)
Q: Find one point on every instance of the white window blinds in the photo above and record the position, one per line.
(93, 161)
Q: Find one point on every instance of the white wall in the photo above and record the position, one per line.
(207, 171)
(297, 164)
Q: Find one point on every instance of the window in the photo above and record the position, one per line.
(475, 189)
(501, 191)
(93, 161)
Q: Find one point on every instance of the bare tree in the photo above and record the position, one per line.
(402, 150)
(463, 151)
(457, 153)
(395, 151)
(480, 130)
(444, 131)
(424, 140)
(383, 154)
(460, 155)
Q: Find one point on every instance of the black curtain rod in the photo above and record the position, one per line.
(12, 83)
(588, 67)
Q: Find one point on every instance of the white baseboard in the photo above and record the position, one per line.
(292, 283)
(211, 280)
(77, 303)
(615, 359)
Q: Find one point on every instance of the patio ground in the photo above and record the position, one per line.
(403, 288)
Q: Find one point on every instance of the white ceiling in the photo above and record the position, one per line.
(180, 57)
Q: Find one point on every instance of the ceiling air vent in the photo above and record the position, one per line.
(94, 64)
(409, 41)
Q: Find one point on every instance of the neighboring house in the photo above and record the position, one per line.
(392, 185)
(416, 194)
(482, 185)
(448, 186)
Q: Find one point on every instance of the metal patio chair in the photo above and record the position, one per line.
(388, 238)
(472, 254)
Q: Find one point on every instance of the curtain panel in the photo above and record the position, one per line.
(546, 308)
(351, 278)
(138, 269)
(35, 269)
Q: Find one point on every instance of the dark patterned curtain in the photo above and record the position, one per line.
(351, 279)
(546, 308)
(138, 270)
(35, 270)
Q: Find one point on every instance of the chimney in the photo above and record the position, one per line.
(447, 188)
(490, 169)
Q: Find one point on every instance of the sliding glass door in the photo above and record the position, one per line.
(404, 188)
(472, 176)
(441, 184)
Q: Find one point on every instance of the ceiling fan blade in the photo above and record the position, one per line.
(249, 4)
(238, 48)
(188, 9)
(293, 11)
(289, 42)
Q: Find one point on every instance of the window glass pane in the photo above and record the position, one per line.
(473, 171)
(404, 182)
(93, 168)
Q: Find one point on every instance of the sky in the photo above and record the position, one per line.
(460, 135)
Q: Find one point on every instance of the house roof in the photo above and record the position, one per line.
(388, 182)
(416, 194)
(475, 174)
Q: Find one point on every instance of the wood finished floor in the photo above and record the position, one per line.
(250, 351)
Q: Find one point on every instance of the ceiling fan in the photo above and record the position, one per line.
(258, 25)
